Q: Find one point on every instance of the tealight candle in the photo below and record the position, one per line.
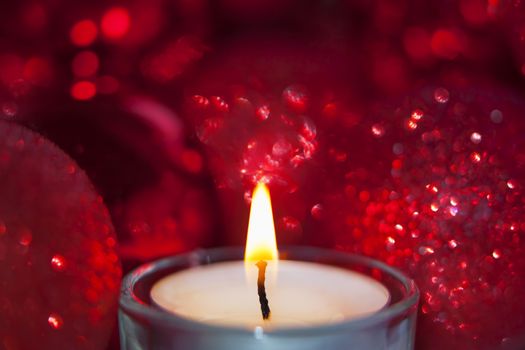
(304, 294)
(299, 294)
(310, 299)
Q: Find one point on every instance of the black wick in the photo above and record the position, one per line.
(261, 290)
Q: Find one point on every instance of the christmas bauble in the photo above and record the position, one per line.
(449, 210)
(59, 273)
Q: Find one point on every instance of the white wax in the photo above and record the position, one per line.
(302, 294)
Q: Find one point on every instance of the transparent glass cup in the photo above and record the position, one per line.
(146, 326)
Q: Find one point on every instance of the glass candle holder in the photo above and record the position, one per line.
(143, 325)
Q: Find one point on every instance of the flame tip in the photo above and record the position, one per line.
(261, 242)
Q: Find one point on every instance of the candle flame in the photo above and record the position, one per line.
(261, 243)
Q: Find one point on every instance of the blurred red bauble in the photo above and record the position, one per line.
(450, 213)
(257, 107)
(60, 272)
(253, 137)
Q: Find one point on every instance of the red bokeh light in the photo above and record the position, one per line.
(55, 321)
(115, 23)
(83, 90)
(58, 262)
(446, 43)
(83, 33)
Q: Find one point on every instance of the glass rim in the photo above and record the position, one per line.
(129, 303)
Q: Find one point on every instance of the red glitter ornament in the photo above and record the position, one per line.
(83, 33)
(59, 276)
(447, 214)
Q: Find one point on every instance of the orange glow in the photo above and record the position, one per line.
(261, 243)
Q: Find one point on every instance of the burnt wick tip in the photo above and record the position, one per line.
(261, 290)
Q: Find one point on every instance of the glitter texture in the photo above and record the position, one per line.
(452, 217)
(45, 209)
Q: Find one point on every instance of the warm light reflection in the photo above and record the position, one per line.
(261, 243)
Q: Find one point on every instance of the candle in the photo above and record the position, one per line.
(144, 325)
(299, 294)
(303, 294)
(306, 299)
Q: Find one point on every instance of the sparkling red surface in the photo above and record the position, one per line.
(59, 277)
(448, 216)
